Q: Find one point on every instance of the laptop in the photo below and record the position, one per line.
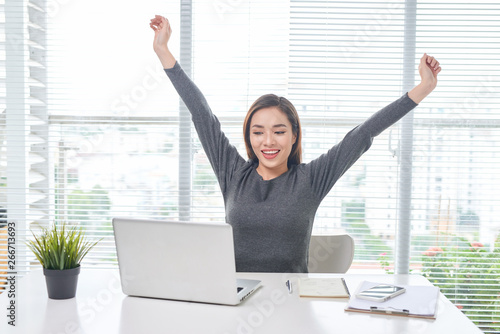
(179, 260)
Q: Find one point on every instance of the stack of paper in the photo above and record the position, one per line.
(417, 301)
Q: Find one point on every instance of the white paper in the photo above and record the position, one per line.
(418, 300)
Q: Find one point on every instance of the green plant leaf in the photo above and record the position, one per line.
(60, 248)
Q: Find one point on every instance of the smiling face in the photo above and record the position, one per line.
(271, 138)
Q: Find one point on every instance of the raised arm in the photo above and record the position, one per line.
(163, 31)
(223, 157)
(428, 69)
(329, 167)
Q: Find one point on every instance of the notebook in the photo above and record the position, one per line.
(179, 260)
(327, 287)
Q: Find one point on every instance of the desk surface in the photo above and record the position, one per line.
(101, 307)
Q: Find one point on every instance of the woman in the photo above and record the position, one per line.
(272, 198)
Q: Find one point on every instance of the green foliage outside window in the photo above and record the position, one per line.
(88, 206)
(468, 274)
(353, 221)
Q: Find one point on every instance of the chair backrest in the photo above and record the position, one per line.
(330, 253)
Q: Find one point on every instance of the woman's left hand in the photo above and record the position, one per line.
(429, 69)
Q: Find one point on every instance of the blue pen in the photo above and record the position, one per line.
(288, 284)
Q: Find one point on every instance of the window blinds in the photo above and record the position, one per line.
(454, 237)
(346, 62)
(24, 164)
(455, 230)
(91, 127)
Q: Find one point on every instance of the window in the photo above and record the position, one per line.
(91, 128)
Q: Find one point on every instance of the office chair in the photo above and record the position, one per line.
(330, 253)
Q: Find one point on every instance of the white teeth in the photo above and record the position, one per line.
(270, 152)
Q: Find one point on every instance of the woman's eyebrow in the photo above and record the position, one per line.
(274, 126)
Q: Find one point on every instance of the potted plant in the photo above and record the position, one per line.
(60, 251)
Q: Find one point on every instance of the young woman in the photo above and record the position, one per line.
(271, 199)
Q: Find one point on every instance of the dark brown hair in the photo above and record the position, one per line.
(285, 106)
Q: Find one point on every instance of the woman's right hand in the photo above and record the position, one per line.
(163, 31)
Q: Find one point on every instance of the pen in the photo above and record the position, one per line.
(288, 284)
(345, 286)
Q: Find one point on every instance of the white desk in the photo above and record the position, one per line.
(101, 307)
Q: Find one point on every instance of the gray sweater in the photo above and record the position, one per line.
(272, 220)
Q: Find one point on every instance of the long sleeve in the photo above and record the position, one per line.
(223, 157)
(329, 167)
